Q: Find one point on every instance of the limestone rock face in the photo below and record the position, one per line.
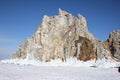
(62, 36)
(114, 43)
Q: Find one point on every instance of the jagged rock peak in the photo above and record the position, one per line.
(63, 36)
(64, 13)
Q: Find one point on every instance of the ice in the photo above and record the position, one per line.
(69, 62)
(29, 72)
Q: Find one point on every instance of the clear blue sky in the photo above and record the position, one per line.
(20, 18)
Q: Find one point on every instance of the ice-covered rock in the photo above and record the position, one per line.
(63, 36)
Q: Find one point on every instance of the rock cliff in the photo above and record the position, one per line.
(114, 43)
(63, 36)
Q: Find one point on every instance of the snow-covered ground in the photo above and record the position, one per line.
(69, 62)
(29, 72)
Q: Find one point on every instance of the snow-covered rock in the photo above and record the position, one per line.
(61, 37)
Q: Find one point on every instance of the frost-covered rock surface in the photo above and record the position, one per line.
(61, 37)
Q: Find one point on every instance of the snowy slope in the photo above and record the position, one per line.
(21, 72)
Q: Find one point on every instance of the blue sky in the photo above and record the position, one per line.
(20, 18)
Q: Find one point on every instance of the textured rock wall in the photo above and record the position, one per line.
(62, 36)
(85, 49)
(114, 43)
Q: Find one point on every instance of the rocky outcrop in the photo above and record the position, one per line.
(114, 43)
(85, 49)
(63, 36)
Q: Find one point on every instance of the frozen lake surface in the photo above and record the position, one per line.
(29, 72)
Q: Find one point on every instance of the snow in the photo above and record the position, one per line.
(29, 72)
(69, 62)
